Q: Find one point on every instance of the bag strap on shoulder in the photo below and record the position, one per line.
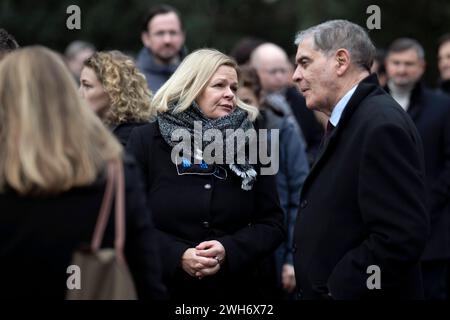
(115, 182)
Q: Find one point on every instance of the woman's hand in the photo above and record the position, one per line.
(212, 250)
(193, 263)
(288, 278)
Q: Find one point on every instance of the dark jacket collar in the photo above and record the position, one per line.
(444, 86)
(116, 127)
(364, 89)
(415, 102)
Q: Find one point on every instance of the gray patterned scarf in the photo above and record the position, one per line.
(238, 119)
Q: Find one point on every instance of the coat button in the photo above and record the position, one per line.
(206, 224)
(304, 204)
(294, 248)
(207, 186)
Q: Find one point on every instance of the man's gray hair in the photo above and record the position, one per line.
(341, 34)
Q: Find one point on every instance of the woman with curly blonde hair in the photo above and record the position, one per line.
(115, 89)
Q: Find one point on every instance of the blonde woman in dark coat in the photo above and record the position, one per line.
(217, 220)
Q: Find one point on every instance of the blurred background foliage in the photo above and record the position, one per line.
(115, 24)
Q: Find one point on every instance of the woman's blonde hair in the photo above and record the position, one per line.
(125, 85)
(50, 141)
(191, 78)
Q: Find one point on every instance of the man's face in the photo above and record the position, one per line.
(164, 36)
(274, 73)
(315, 77)
(404, 68)
(444, 60)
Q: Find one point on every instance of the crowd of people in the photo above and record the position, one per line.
(361, 146)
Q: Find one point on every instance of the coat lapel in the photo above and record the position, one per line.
(365, 87)
(415, 104)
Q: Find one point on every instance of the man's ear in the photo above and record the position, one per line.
(145, 38)
(342, 57)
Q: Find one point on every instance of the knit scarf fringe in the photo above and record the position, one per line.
(248, 176)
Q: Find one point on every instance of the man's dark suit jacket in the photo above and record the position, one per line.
(364, 204)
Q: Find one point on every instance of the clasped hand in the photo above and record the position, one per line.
(203, 260)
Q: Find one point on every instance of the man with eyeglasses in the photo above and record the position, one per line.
(163, 38)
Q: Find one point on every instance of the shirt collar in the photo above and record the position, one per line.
(340, 106)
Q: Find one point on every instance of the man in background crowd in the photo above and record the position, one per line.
(444, 63)
(430, 111)
(76, 53)
(163, 38)
(274, 69)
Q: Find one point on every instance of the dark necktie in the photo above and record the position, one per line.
(327, 134)
(329, 129)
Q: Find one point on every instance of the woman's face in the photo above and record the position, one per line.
(93, 92)
(219, 97)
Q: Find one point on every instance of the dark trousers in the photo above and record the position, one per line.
(436, 279)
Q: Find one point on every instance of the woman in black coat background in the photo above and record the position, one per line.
(217, 221)
(53, 152)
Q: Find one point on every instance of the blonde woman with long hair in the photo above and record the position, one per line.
(217, 221)
(115, 89)
(53, 155)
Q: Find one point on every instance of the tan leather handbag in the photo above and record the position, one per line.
(104, 272)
